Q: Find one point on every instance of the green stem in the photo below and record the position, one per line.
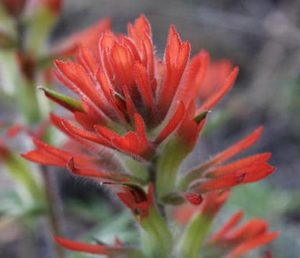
(156, 236)
(193, 236)
(168, 164)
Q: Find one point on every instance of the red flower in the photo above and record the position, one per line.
(240, 240)
(215, 175)
(78, 163)
(130, 101)
(125, 86)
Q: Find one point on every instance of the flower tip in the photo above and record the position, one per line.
(173, 34)
(232, 76)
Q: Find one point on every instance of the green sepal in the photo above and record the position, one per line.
(200, 117)
(173, 199)
(63, 100)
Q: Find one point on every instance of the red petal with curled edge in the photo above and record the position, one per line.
(130, 107)
(173, 45)
(173, 123)
(139, 30)
(75, 132)
(48, 155)
(122, 62)
(130, 143)
(131, 46)
(94, 173)
(249, 230)
(245, 247)
(215, 98)
(195, 75)
(44, 158)
(239, 164)
(106, 133)
(144, 86)
(140, 128)
(87, 59)
(231, 223)
(236, 148)
(86, 248)
(176, 58)
(108, 90)
(84, 120)
(246, 175)
(75, 73)
(190, 129)
(149, 60)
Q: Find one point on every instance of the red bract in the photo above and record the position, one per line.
(238, 241)
(130, 101)
(210, 206)
(215, 175)
(124, 85)
(101, 249)
(78, 163)
(144, 111)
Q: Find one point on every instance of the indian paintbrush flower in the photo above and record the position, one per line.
(145, 111)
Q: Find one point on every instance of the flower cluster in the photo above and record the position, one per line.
(146, 114)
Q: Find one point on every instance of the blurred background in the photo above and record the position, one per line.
(263, 38)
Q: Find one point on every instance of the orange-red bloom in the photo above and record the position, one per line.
(126, 91)
(131, 101)
(214, 175)
(238, 241)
